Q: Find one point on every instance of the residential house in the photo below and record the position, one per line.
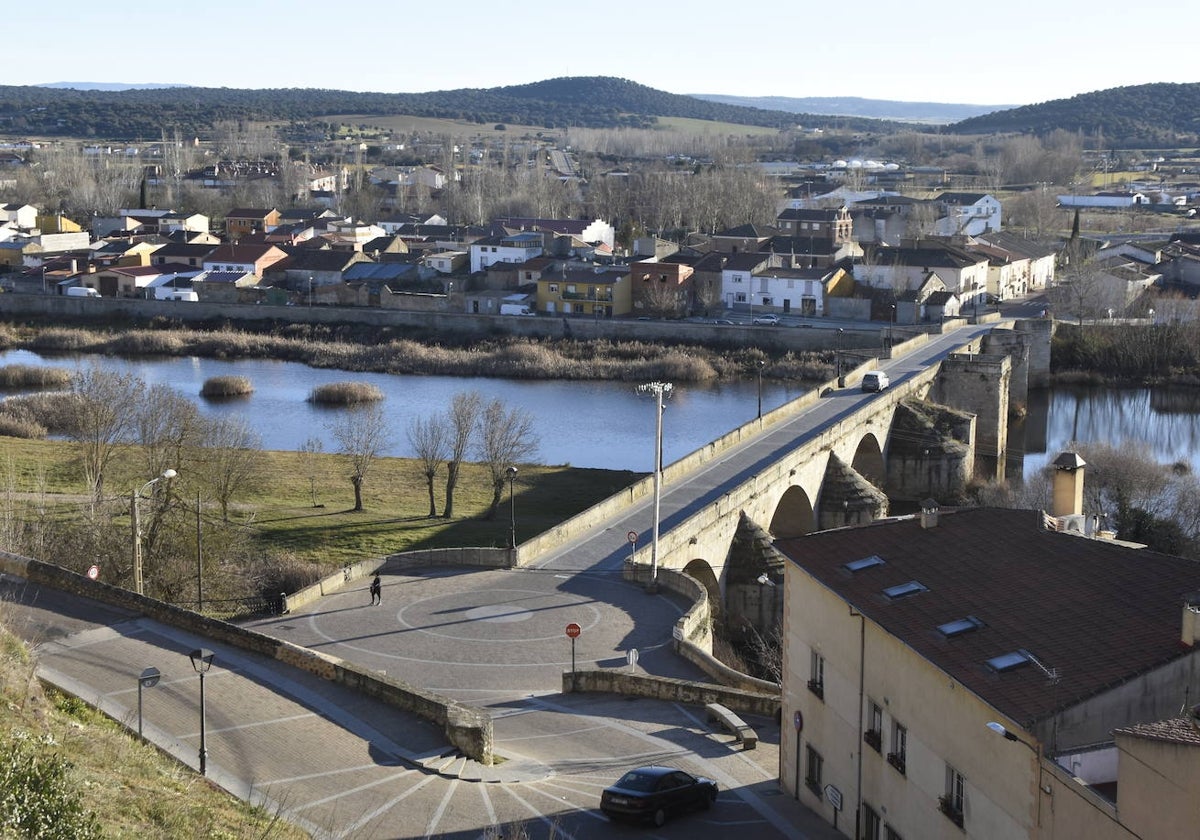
(966, 214)
(740, 287)
(190, 222)
(587, 292)
(951, 674)
(509, 248)
(57, 223)
(741, 239)
(589, 230)
(304, 271)
(833, 224)
(181, 253)
(707, 278)
(1035, 260)
(799, 291)
(908, 267)
(448, 262)
(243, 259)
(219, 286)
(24, 216)
(244, 221)
(810, 252)
(126, 281)
(888, 219)
(1110, 200)
(661, 288)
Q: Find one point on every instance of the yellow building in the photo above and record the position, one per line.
(57, 223)
(599, 293)
(952, 674)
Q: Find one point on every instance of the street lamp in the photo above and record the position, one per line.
(759, 370)
(512, 508)
(202, 659)
(659, 390)
(137, 527)
(147, 679)
(841, 333)
(1000, 729)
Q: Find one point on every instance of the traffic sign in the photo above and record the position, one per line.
(573, 630)
(93, 572)
(798, 720)
(631, 536)
(834, 796)
(677, 633)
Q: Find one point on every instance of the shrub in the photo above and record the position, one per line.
(345, 393)
(38, 797)
(226, 386)
(21, 427)
(28, 376)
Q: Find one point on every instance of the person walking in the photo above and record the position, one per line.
(376, 591)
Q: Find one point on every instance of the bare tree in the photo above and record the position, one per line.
(103, 417)
(362, 434)
(231, 459)
(168, 428)
(505, 438)
(461, 420)
(311, 464)
(429, 439)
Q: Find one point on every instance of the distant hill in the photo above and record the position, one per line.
(594, 101)
(1141, 116)
(936, 113)
(107, 86)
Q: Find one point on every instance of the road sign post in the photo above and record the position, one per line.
(573, 631)
(632, 537)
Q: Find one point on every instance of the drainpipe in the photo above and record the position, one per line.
(862, 669)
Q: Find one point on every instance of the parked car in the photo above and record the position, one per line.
(770, 320)
(724, 321)
(875, 380)
(655, 793)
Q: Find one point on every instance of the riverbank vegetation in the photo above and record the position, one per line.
(223, 387)
(358, 348)
(345, 393)
(1132, 354)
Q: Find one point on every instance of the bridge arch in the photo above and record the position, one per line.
(703, 572)
(868, 460)
(793, 515)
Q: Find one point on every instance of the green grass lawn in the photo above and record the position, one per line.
(280, 511)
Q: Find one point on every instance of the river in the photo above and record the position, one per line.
(608, 425)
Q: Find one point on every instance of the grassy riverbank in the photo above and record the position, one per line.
(278, 512)
(405, 351)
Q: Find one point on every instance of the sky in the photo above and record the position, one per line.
(1012, 53)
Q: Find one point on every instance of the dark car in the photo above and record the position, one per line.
(655, 793)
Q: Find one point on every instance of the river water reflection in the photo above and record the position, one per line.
(605, 425)
(609, 426)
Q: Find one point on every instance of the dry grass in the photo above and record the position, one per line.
(134, 790)
(21, 377)
(216, 387)
(345, 393)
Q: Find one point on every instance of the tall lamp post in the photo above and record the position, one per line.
(202, 659)
(660, 390)
(758, 371)
(137, 527)
(512, 508)
(838, 353)
(1001, 730)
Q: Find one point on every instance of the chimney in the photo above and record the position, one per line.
(1191, 619)
(929, 513)
(1068, 485)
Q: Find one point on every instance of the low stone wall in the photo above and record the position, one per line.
(468, 729)
(613, 681)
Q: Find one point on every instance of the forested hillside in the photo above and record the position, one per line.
(597, 102)
(1143, 116)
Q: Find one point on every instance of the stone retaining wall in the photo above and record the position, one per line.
(613, 681)
(468, 729)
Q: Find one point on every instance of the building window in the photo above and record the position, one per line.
(954, 799)
(816, 682)
(812, 775)
(871, 824)
(892, 834)
(874, 733)
(898, 757)
(553, 288)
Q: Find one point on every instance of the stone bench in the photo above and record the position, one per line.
(734, 724)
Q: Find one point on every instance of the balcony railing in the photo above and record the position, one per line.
(874, 739)
(953, 813)
(817, 688)
(897, 760)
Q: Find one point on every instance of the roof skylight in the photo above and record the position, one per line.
(959, 626)
(865, 563)
(903, 590)
(1009, 661)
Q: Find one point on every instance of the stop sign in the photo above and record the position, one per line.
(573, 630)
